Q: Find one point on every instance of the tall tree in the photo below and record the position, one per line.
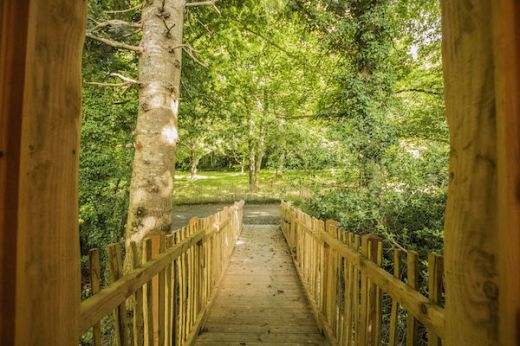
(156, 132)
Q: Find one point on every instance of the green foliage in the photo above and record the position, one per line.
(304, 87)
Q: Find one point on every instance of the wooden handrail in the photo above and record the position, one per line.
(345, 286)
(428, 313)
(101, 304)
(182, 279)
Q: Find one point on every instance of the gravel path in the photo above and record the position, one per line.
(253, 213)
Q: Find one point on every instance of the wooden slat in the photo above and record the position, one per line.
(363, 308)
(137, 323)
(179, 288)
(379, 297)
(115, 266)
(161, 298)
(355, 291)
(349, 295)
(394, 314)
(373, 295)
(147, 296)
(95, 283)
(168, 296)
(412, 336)
(435, 271)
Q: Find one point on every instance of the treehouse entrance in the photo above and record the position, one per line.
(40, 91)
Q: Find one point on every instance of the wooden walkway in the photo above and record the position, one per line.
(261, 300)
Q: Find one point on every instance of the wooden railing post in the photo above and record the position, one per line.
(148, 297)
(363, 311)
(435, 271)
(413, 281)
(394, 314)
(115, 266)
(137, 323)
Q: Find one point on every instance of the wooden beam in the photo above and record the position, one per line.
(506, 47)
(41, 46)
(482, 240)
(13, 40)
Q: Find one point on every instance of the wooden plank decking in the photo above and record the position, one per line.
(261, 300)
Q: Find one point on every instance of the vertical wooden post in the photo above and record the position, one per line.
(148, 318)
(412, 262)
(95, 286)
(481, 55)
(115, 268)
(40, 106)
(137, 322)
(506, 48)
(394, 314)
(435, 270)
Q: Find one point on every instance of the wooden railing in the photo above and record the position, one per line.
(354, 300)
(164, 300)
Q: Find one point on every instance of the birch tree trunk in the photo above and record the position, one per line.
(151, 188)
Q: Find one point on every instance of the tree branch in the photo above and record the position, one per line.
(126, 81)
(110, 85)
(416, 90)
(115, 44)
(203, 3)
(115, 22)
(125, 11)
(190, 51)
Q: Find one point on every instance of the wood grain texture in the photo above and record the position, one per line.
(46, 41)
(506, 48)
(13, 41)
(482, 216)
(254, 305)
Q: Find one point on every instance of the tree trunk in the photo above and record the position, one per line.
(260, 151)
(252, 154)
(252, 171)
(194, 164)
(151, 188)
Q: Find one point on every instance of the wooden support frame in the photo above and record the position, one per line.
(40, 88)
(481, 51)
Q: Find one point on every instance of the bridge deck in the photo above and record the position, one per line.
(261, 300)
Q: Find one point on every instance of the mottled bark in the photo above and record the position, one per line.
(156, 132)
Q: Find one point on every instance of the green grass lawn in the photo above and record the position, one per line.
(229, 186)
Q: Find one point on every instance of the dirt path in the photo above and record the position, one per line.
(253, 213)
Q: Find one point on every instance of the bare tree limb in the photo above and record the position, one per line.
(126, 81)
(125, 11)
(417, 90)
(115, 44)
(203, 3)
(200, 3)
(111, 85)
(115, 22)
(190, 51)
